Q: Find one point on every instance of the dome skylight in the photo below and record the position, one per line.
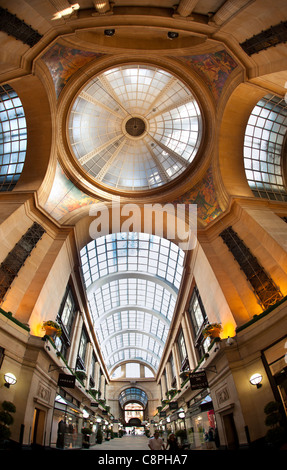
(135, 127)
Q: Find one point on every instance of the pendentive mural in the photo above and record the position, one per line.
(215, 68)
(63, 62)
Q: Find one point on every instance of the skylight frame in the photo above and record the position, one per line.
(103, 148)
(132, 306)
(133, 394)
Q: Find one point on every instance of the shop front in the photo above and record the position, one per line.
(67, 424)
(201, 424)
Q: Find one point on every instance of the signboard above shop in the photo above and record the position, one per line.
(198, 380)
(173, 405)
(67, 381)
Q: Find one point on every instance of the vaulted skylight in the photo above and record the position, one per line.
(133, 394)
(132, 282)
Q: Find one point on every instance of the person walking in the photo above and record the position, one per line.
(172, 443)
(156, 442)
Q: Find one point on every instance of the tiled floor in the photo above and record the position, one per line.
(124, 443)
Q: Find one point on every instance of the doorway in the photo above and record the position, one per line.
(38, 428)
(230, 431)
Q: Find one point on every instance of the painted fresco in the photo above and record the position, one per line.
(63, 62)
(204, 195)
(214, 68)
(65, 197)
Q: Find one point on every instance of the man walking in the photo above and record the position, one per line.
(156, 442)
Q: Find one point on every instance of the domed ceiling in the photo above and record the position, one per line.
(135, 127)
(149, 133)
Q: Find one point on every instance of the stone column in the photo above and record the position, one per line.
(103, 383)
(97, 377)
(163, 387)
(89, 362)
(76, 340)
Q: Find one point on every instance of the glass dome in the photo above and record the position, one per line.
(135, 127)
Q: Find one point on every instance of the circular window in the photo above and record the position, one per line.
(135, 127)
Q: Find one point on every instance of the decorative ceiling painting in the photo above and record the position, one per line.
(214, 68)
(204, 196)
(63, 62)
(65, 197)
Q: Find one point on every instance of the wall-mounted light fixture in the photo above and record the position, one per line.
(10, 379)
(256, 379)
(172, 35)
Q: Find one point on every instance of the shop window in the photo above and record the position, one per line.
(263, 286)
(65, 317)
(82, 350)
(275, 361)
(197, 312)
(198, 320)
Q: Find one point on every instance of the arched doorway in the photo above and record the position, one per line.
(134, 418)
(133, 402)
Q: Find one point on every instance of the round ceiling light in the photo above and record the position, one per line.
(135, 127)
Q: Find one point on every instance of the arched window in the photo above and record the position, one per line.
(264, 147)
(13, 138)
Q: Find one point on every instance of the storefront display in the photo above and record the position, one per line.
(67, 424)
(201, 425)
